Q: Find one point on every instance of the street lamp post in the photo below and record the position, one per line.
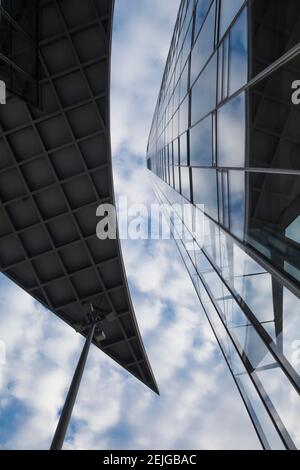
(66, 413)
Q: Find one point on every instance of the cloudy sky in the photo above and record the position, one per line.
(199, 407)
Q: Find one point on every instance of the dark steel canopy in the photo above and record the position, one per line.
(55, 170)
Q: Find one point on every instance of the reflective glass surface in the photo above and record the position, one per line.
(243, 156)
(238, 54)
(175, 152)
(205, 190)
(184, 149)
(273, 306)
(184, 81)
(223, 69)
(201, 12)
(201, 143)
(184, 115)
(185, 183)
(233, 58)
(275, 120)
(293, 230)
(273, 206)
(204, 45)
(204, 91)
(229, 9)
(232, 133)
(237, 203)
(282, 396)
(177, 178)
(187, 44)
(175, 124)
(276, 29)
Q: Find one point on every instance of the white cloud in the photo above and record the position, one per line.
(142, 36)
(40, 353)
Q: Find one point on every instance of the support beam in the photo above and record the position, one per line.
(66, 413)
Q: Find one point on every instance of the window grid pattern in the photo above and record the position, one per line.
(234, 150)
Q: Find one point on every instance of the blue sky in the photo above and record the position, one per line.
(199, 407)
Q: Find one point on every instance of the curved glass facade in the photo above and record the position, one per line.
(225, 135)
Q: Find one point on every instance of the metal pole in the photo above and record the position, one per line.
(66, 413)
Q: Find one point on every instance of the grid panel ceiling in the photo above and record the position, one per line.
(55, 170)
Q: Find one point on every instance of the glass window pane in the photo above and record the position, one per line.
(232, 133)
(184, 81)
(187, 45)
(259, 413)
(204, 91)
(176, 96)
(201, 143)
(184, 150)
(256, 292)
(240, 264)
(171, 158)
(187, 14)
(225, 83)
(237, 203)
(204, 44)
(238, 69)
(276, 26)
(175, 153)
(172, 176)
(177, 178)
(273, 207)
(205, 190)
(229, 9)
(184, 115)
(284, 398)
(185, 182)
(176, 124)
(225, 189)
(257, 410)
(220, 74)
(275, 120)
(201, 11)
(293, 230)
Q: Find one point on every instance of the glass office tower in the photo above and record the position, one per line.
(226, 135)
